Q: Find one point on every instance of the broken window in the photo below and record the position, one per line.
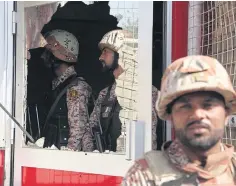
(88, 22)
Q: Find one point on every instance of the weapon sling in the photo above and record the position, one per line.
(57, 100)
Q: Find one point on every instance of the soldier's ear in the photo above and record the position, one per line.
(227, 120)
(227, 110)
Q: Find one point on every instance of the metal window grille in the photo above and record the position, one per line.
(127, 84)
(212, 27)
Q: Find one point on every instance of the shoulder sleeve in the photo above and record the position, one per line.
(77, 100)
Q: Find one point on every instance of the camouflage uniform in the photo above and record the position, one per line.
(154, 117)
(187, 75)
(96, 113)
(219, 169)
(77, 99)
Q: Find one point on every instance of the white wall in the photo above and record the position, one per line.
(6, 83)
(6, 65)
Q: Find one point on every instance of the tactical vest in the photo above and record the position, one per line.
(110, 121)
(56, 129)
(165, 173)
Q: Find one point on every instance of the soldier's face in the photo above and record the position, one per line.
(59, 69)
(199, 119)
(107, 57)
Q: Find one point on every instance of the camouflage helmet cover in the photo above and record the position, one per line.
(63, 45)
(192, 74)
(113, 40)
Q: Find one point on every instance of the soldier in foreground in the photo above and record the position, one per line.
(197, 96)
(67, 121)
(107, 108)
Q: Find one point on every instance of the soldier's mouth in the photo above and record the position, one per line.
(103, 63)
(197, 126)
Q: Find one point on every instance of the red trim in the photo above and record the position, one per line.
(49, 177)
(2, 156)
(179, 32)
(179, 29)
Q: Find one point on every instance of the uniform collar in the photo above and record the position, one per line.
(215, 164)
(69, 72)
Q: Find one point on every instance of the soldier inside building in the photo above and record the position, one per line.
(105, 115)
(197, 96)
(66, 123)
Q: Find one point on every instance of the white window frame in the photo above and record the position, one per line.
(6, 84)
(80, 161)
(167, 50)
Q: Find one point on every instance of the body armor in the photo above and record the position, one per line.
(110, 122)
(105, 121)
(56, 127)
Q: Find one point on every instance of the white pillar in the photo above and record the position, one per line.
(145, 69)
(194, 28)
(167, 50)
(6, 84)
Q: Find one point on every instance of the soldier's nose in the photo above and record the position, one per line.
(198, 114)
(101, 58)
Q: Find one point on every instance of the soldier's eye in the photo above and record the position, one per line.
(185, 106)
(207, 105)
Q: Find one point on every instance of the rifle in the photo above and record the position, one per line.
(99, 138)
(100, 132)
